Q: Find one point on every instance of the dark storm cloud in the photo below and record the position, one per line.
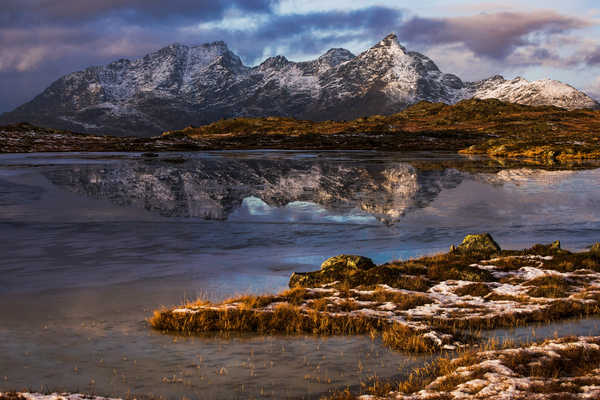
(47, 39)
(313, 32)
(492, 35)
(132, 11)
(374, 18)
(40, 40)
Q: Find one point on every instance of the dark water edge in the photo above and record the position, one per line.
(93, 244)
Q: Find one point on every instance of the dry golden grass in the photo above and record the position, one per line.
(288, 319)
(548, 134)
(552, 286)
(568, 371)
(359, 305)
(473, 289)
(402, 301)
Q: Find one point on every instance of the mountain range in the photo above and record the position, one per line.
(180, 85)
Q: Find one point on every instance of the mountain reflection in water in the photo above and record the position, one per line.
(95, 242)
(214, 188)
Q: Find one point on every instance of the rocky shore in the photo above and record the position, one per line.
(26, 138)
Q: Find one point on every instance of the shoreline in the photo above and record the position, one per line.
(423, 305)
(547, 136)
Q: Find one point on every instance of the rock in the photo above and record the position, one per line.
(345, 262)
(300, 279)
(595, 248)
(479, 243)
(338, 268)
(452, 248)
(555, 245)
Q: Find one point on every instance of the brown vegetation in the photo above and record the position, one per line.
(490, 127)
(565, 368)
(456, 293)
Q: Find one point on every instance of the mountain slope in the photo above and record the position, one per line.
(180, 85)
(536, 93)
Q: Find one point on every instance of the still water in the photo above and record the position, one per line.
(92, 243)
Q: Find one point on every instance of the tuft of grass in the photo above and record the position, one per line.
(473, 289)
(550, 286)
(353, 305)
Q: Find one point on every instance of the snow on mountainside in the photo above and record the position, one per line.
(536, 93)
(181, 85)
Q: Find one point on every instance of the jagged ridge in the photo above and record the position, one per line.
(181, 85)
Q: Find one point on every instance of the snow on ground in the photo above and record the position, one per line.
(556, 369)
(447, 301)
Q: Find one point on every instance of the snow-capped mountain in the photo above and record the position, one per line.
(536, 93)
(181, 85)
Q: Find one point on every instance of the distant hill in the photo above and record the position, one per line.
(547, 134)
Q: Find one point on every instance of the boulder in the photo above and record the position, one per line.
(595, 248)
(480, 243)
(338, 268)
(345, 262)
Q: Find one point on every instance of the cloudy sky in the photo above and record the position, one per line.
(41, 40)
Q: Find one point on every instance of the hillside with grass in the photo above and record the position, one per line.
(486, 127)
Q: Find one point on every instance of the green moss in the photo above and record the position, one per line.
(480, 243)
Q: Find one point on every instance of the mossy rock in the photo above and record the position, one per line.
(547, 249)
(479, 243)
(595, 248)
(345, 262)
(305, 279)
(339, 268)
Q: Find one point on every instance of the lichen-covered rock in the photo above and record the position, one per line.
(303, 279)
(595, 248)
(338, 268)
(347, 262)
(479, 243)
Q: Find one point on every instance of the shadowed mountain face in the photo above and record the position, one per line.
(180, 85)
(214, 188)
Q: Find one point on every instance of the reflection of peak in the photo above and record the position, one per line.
(527, 177)
(213, 188)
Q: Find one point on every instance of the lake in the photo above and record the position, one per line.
(93, 243)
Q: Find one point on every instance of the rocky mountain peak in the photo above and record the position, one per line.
(390, 42)
(336, 56)
(180, 85)
(275, 63)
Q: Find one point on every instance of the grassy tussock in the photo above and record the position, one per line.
(553, 286)
(402, 301)
(568, 371)
(557, 310)
(288, 319)
(283, 318)
(473, 289)
(356, 304)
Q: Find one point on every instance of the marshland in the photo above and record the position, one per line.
(96, 243)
